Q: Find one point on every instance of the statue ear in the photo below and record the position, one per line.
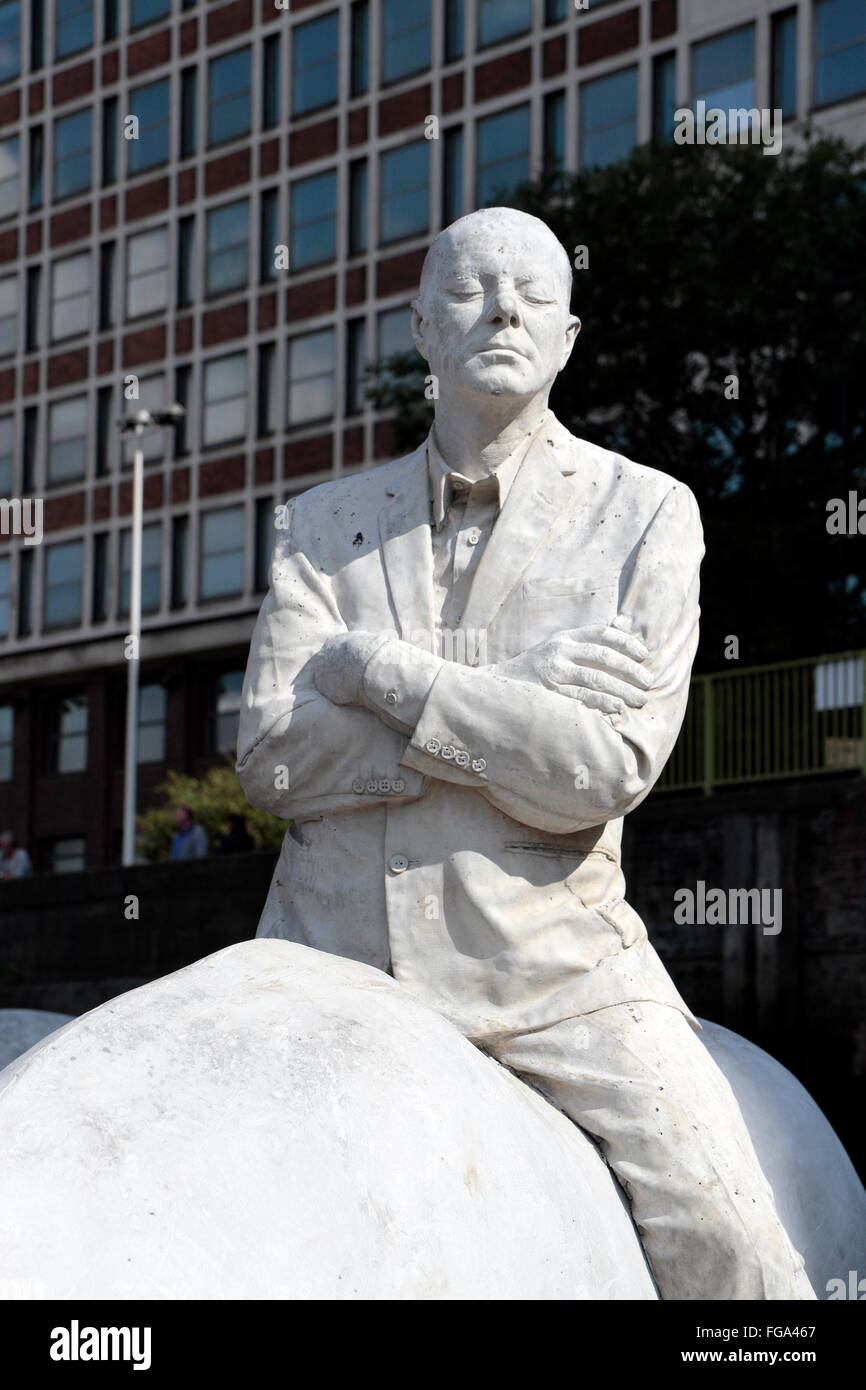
(418, 328)
(571, 332)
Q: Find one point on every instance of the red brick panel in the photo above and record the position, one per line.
(227, 171)
(663, 18)
(152, 494)
(553, 56)
(383, 440)
(235, 18)
(110, 66)
(307, 455)
(222, 475)
(180, 485)
(399, 272)
(353, 446)
(101, 503)
(107, 212)
(302, 4)
(144, 198)
(269, 157)
(189, 35)
(358, 126)
(404, 110)
(70, 225)
(609, 36)
(9, 244)
(148, 52)
(266, 314)
(10, 105)
(356, 285)
(63, 511)
(312, 143)
(186, 185)
(34, 238)
(314, 297)
(144, 345)
(264, 466)
(36, 97)
(31, 378)
(503, 74)
(73, 82)
(452, 93)
(228, 321)
(7, 385)
(66, 367)
(183, 334)
(105, 357)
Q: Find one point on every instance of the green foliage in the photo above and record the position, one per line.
(212, 798)
(707, 263)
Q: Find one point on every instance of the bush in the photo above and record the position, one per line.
(212, 798)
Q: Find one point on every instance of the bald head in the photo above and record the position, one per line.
(515, 236)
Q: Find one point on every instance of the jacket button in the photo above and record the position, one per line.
(398, 863)
(448, 751)
(479, 764)
(384, 784)
(399, 784)
(372, 787)
(391, 697)
(461, 758)
(433, 745)
(358, 785)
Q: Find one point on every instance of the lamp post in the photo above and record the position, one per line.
(136, 423)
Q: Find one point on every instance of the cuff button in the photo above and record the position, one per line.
(479, 764)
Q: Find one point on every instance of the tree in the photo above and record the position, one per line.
(211, 798)
(724, 342)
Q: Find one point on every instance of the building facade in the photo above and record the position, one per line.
(227, 205)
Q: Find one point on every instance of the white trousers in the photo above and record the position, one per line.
(640, 1081)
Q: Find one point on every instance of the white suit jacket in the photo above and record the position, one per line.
(478, 857)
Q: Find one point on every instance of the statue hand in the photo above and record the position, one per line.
(598, 665)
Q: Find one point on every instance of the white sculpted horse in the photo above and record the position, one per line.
(273, 1122)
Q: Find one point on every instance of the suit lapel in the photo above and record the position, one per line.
(407, 550)
(538, 496)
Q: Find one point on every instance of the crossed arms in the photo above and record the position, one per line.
(562, 737)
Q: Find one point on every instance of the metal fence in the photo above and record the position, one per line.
(791, 719)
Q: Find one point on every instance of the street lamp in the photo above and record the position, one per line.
(136, 423)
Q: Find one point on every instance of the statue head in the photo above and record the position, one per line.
(492, 317)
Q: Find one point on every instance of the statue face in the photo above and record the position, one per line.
(495, 320)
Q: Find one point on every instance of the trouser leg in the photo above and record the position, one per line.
(639, 1080)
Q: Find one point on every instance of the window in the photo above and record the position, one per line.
(34, 291)
(723, 70)
(8, 314)
(147, 272)
(73, 20)
(784, 72)
(221, 553)
(357, 207)
(152, 106)
(7, 449)
(266, 403)
(265, 532)
(608, 118)
(394, 335)
(106, 285)
(555, 11)
(186, 261)
(311, 377)
(25, 592)
(10, 39)
(28, 452)
(554, 131)
(268, 234)
(37, 35)
(109, 141)
(99, 604)
(67, 439)
(225, 399)
(105, 434)
(229, 96)
(10, 176)
(228, 247)
(313, 232)
(73, 141)
(503, 154)
(840, 50)
(664, 97)
(70, 296)
(271, 93)
(7, 734)
(455, 16)
(151, 724)
(70, 734)
(179, 552)
(225, 711)
(314, 63)
(5, 585)
(188, 112)
(69, 855)
(146, 11)
(110, 29)
(405, 37)
(404, 191)
(34, 177)
(182, 378)
(152, 395)
(356, 361)
(360, 75)
(452, 175)
(151, 568)
(500, 19)
(64, 569)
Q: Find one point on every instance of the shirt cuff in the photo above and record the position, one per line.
(397, 681)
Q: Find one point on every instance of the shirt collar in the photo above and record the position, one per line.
(442, 478)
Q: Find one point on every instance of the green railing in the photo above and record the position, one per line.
(791, 719)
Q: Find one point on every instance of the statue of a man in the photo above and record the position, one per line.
(471, 664)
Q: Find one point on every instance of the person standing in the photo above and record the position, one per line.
(190, 840)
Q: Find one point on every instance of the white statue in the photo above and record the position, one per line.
(471, 664)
